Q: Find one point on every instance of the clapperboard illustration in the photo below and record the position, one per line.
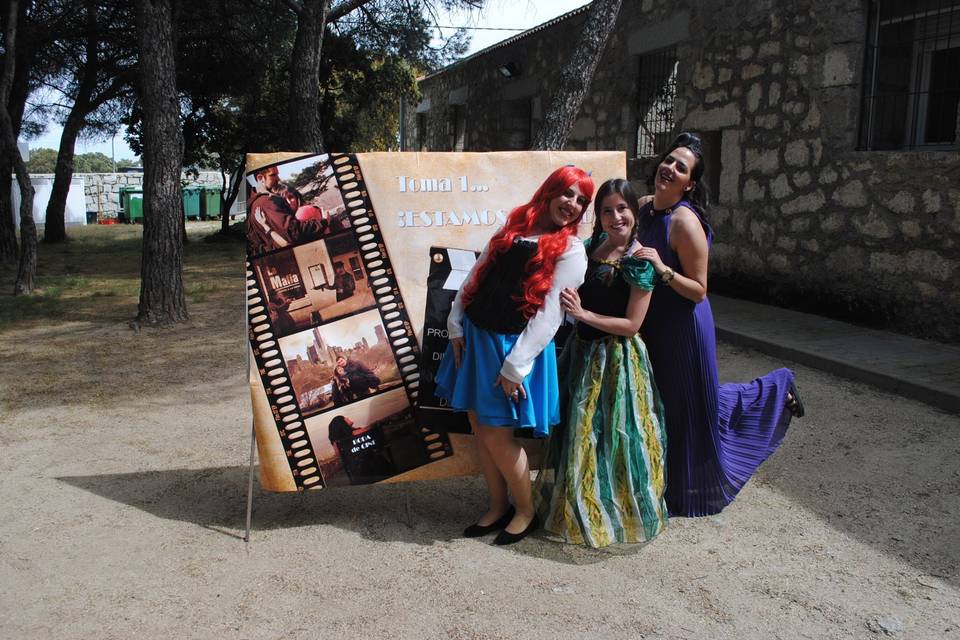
(448, 269)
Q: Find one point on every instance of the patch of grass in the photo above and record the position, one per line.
(95, 275)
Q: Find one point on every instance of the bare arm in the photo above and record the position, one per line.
(637, 306)
(688, 239)
(690, 243)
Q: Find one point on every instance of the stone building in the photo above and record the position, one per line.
(830, 132)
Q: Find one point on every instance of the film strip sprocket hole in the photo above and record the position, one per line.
(396, 320)
(280, 395)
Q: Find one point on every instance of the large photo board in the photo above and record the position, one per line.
(352, 263)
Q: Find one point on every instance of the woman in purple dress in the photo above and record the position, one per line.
(717, 435)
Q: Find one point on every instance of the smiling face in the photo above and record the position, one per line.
(565, 208)
(674, 173)
(616, 217)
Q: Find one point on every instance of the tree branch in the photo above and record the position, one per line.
(344, 8)
(294, 6)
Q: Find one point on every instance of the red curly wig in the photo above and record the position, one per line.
(522, 221)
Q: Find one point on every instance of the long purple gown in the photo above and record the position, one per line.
(717, 435)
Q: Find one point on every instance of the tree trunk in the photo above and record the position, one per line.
(231, 187)
(306, 133)
(8, 231)
(54, 229)
(576, 76)
(15, 105)
(27, 270)
(161, 273)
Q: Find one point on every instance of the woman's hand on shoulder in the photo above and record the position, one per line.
(645, 200)
(652, 255)
(570, 303)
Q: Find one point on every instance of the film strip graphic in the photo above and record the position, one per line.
(393, 311)
(280, 394)
(400, 335)
(376, 262)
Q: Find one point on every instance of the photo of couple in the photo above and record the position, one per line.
(299, 204)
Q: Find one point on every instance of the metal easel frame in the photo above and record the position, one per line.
(253, 437)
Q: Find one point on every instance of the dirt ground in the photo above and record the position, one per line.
(123, 458)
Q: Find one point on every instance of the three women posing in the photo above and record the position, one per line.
(609, 474)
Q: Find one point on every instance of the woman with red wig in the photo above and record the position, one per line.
(501, 366)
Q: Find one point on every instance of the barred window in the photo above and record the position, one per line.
(656, 95)
(458, 127)
(421, 132)
(912, 85)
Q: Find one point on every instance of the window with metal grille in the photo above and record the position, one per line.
(912, 72)
(421, 132)
(458, 127)
(656, 95)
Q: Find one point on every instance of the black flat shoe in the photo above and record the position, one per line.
(505, 537)
(795, 404)
(477, 530)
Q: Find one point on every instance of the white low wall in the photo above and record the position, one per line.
(75, 213)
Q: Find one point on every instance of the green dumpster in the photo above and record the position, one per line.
(191, 203)
(122, 196)
(210, 203)
(131, 204)
(135, 199)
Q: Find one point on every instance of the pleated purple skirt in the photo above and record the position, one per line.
(717, 436)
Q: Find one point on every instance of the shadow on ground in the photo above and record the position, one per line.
(418, 512)
(215, 498)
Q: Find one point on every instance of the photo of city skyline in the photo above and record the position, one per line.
(339, 363)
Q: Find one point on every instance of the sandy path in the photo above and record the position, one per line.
(123, 465)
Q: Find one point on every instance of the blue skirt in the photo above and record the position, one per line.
(471, 386)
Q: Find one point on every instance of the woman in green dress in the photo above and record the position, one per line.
(602, 480)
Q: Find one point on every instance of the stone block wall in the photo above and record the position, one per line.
(801, 216)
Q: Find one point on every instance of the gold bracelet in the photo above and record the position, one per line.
(667, 276)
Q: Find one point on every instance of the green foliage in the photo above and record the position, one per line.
(361, 96)
(233, 75)
(45, 161)
(42, 161)
(95, 162)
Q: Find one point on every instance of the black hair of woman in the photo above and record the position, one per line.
(699, 196)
